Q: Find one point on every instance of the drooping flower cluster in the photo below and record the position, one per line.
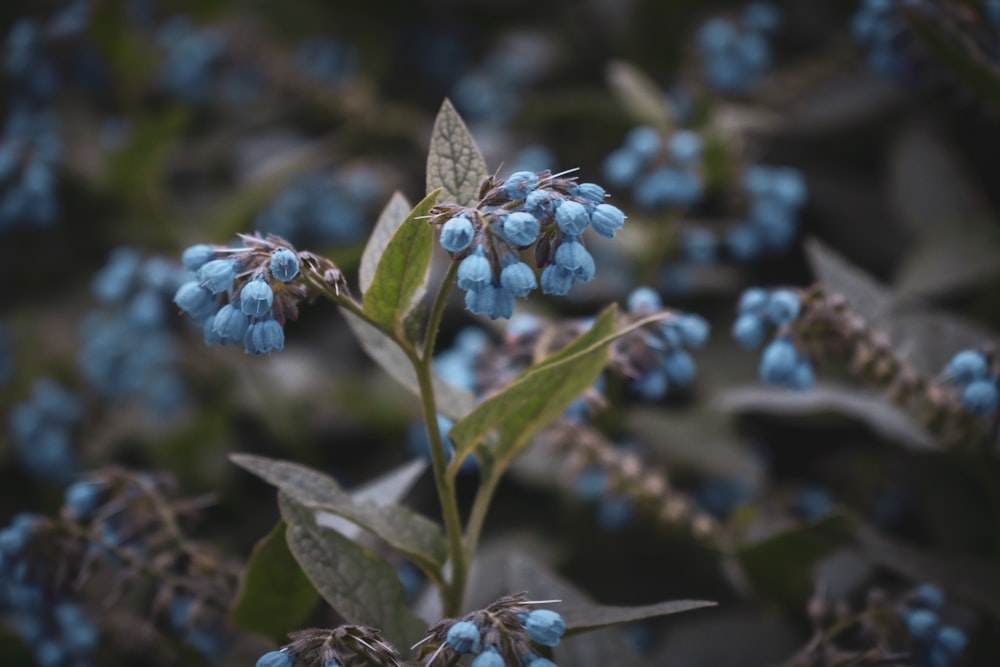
(343, 646)
(662, 172)
(781, 364)
(736, 56)
(502, 634)
(259, 287)
(43, 429)
(540, 211)
(971, 371)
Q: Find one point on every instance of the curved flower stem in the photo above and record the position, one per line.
(437, 311)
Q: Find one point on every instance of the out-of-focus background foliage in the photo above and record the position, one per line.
(136, 128)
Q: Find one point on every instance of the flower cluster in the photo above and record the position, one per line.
(879, 26)
(662, 173)
(322, 208)
(970, 370)
(775, 197)
(658, 359)
(541, 211)
(56, 629)
(736, 56)
(938, 644)
(43, 429)
(343, 646)
(501, 634)
(129, 348)
(781, 363)
(261, 285)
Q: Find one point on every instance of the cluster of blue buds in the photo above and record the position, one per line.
(593, 484)
(661, 172)
(971, 371)
(56, 630)
(881, 29)
(781, 364)
(342, 646)
(326, 60)
(661, 360)
(192, 60)
(130, 349)
(43, 429)
(244, 296)
(540, 211)
(938, 644)
(502, 634)
(736, 56)
(322, 208)
(775, 197)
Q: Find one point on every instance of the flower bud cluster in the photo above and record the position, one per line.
(735, 57)
(343, 646)
(505, 633)
(782, 364)
(259, 286)
(192, 59)
(775, 195)
(939, 644)
(540, 211)
(129, 348)
(661, 172)
(880, 27)
(44, 428)
(972, 372)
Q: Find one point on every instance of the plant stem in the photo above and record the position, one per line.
(437, 311)
(480, 506)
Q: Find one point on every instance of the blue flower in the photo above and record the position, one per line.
(574, 259)
(782, 307)
(463, 637)
(475, 272)
(284, 265)
(679, 367)
(645, 141)
(257, 297)
(779, 362)
(980, 397)
(230, 325)
(556, 280)
(607, 219)
(572, 217)
(544, 626)
(263, 337)
(521, 228)
(488, 658)
(644, 299)
(966, 366)
(197, 256)
(590, 191)
(520, 183)
(276, 659)
(217, 275)
(457, 234)
(81, 498)
(518, 279)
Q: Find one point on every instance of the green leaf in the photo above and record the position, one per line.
(400, 527)
(400, 280)
(274, 596)
(391, 218)
(454, 162)
(591, 617)
(357, 583)
(641, 98)
(781, 565)
(452, 401)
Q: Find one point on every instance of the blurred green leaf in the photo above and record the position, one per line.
(389, 220)
(454, 162)
(591, 617)
(400, 279)
(638, 94)
(274, 595)
(400, 527)
(359, 585)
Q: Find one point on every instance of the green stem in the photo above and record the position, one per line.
(437, 310)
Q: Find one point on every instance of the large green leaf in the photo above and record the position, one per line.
(638, 94)
(360, 586)
(400, 279)
(539, 395)
(454, 162)
(412, 534)
(274, 596)
(389, 220)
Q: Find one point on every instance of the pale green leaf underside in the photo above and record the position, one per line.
(454, 162)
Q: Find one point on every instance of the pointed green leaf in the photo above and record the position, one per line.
(583, 618)
(359, 585)
(453, 402)
(274, 595)
(389, 221)
(454, 162)
(401, 275)
(400, 527)
(638, 94)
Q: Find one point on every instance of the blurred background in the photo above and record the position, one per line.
(854, 143)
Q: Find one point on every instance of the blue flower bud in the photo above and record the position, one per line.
(929, 596)
(542, 203)
(789, 186)
(556, 281)
(607, 219)
(652, 385)
(589, 191)
(980, 397)
(783, 307)
(521, 228)
(263, 337)
(574, 259)
(81, 498)
(699, 245)
(494, 302)
(644, 299)
(572, 217)
(966, 366)
(621, 167)
(257, 297)
(230, 324)
(275, 659)
(217, 275)
(779, 362)
(684, 146)
(518, 279)
(520, 183)
(694, 330)
(921, 623)
(544, 626)
(457, 233)
(752, 299)
(951, 640)
(197, 256)
(803, 378)
(284, 265)
(463, 637)
(535, 660)
(195, 300)
(488, 658)
(679, 367)
(744, 242)
(475, 272)
(645, 141)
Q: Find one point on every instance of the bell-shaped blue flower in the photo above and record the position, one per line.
(463, 637)
(607, 219)
(264, 337)
(556, 281)
(457, 233)
(284, 265)
(230, 324)
(195, 300)
(544, 626)
(572, 217)
(257, 297)
(475, 272)
(574, 259)
(518, 279)
(217, 275)
(521, 228)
